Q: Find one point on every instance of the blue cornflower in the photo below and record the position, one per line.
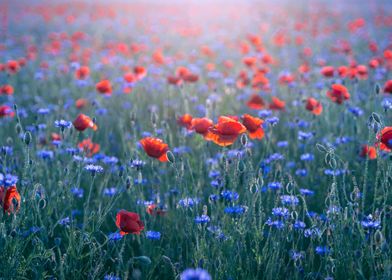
(333, 209)
(65, 222)
(289, 199)
(153, 235)
(136, 163)
(94, 168)
(272, 120)
(282, 144)
(275, 185)
(195, 274)
(216, 183)
(265, 113)
(356, 111)
(181, 150)
(294, 255)
(235, 210)
(229, 195)
(312, 233)
(307, 157)
(77, 192)
(7, 150)
(214, 174)
(43, 111)
(301, 172)
(188, 202)
(299, 225)
(281, 212)
(111, 277)
(302, 136)
(109, 160)
(275, 157)
(45, 154)
(322, 250)
(203, 219)
(110, 191)
(387, 104)
(63, 124)
(277, 224)
(213, 197)
(306, 192)
(370, 223)
(114, 236)
(8, 180)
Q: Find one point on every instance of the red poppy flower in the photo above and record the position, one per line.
(255, 102)
(314, 106)
(369, 152)
(374, 63)
(129, 77)
(128, 222)
(388, 86)
(253, 125)
(277, 104)
(385, 139)
(338, 93)
(81, 103)
(328, 71)
(249, 61)
(185, 121)
(6, 111)
(343, 71)
(82, 73)
(154, 210)
(104, 87)
(201, 126)
(83, 122)
(174, 80)
(55, 137)
(182, 72)
(88, 147)
(155, 147)
(226, 131)
(7, 90)
(140, 72)
(362, 72)
(10, 199)
(191, 78)
(13, 66)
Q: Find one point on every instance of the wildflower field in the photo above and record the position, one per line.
(195, 140)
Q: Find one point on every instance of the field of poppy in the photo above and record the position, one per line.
(196, 139)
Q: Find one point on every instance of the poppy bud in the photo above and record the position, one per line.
(244, 139)
(376, 117)
(27, 138)
(170, 157)
(241, 166)
(377, 89)
(128, 183)
(154, 118)
(18, 128)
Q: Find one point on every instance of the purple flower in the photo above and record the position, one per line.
(195, 274)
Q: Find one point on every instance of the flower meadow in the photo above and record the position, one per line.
(195, 140)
